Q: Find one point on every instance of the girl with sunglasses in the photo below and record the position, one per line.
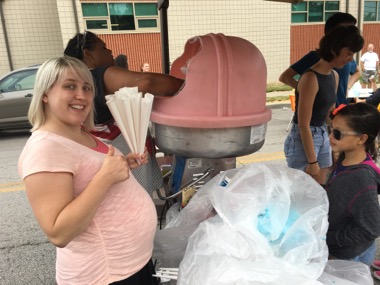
(307, 147)
(353, 184)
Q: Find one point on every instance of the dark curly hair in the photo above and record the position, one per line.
(122, 61)
(80, 42)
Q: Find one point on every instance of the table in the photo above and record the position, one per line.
(362, 93)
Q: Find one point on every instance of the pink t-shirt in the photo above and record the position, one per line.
(119, 240)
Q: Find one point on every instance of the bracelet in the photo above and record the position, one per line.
(313, 162)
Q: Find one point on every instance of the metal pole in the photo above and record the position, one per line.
(75, 16)
(6, 39)
(360, 27)
(163, 6)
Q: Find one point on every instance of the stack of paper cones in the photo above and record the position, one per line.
(131, 112)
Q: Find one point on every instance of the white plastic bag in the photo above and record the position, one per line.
(267, 226)
(270, 228)
(173, 212)
(339, 272)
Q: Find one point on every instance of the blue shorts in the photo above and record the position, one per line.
(368, 256)
(294, 151)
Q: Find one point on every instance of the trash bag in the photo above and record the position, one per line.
(259, 224)
(172, 212)
(344, 272)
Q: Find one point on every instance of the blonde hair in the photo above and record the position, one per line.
(48, 74)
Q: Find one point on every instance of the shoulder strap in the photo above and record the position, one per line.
(372, 164)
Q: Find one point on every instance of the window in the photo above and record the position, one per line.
(371, 11)
(121, 16)
(313, 11)
(18, 81)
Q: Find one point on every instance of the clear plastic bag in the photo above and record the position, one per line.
(173, 212)
(266, 226)
(345, 272)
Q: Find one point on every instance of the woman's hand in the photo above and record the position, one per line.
(135, 159)
(313, 169)
(115, 167)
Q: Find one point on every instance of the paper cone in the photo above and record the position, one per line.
(132, 114)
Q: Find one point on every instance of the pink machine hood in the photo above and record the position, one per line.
(225, 85)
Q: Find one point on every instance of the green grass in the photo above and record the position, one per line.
(271, 87)
(277, 98)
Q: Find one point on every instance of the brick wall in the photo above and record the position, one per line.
(138, 48)
(304, 38)
(370, 34)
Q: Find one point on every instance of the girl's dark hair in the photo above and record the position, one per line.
(80, 42)
(337, 19)
(122, 61)
(363, 118)
(338, 38)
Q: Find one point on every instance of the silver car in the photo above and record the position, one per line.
(16, 92)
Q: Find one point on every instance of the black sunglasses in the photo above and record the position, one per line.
(338, 135)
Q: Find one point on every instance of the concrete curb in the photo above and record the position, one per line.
(279, 93)
(279, 105)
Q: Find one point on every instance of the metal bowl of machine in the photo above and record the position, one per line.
(209, 143)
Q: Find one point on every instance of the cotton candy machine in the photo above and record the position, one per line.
(219, 114)
(221, 111)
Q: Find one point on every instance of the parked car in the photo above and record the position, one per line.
(16, 92)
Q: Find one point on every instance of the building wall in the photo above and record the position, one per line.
(265, 24)
(139, 48)
(304, 38)
(68, 12)
(40, 29)
(268, 29)
(33, 30)
(371, 36)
